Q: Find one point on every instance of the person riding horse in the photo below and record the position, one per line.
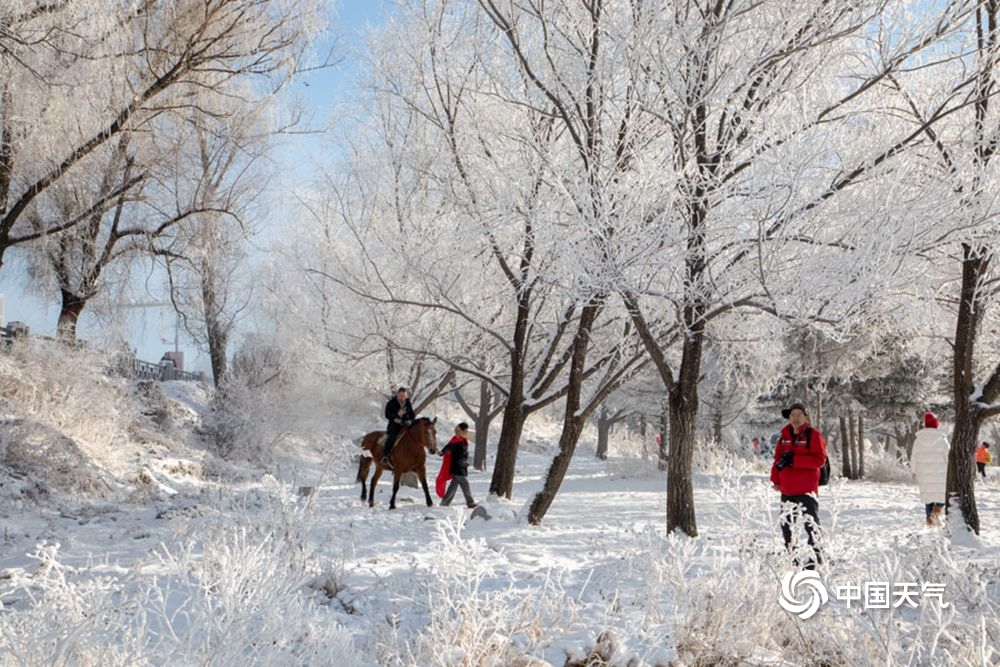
(409, 456)
(400, 414)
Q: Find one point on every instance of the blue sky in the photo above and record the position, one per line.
(151, 330)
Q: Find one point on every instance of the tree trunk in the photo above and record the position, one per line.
(851, 445)
(482, 439)
(910, 437)
(514, 412)
(845, 450)
(218, 341)
(557, 470)
(502, 482)
(69, 315)
(680, 473)
(962, 471)
(482, 421)
(604, 423)
(961, 458)
(573, 418)
(717, 418)
(216, 329)
(661, 450)
(682, 400)
(481, 414)
(819, 410)
(861, 446)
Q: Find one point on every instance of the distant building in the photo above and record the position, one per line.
(176, 358)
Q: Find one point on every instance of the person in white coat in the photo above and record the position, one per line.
(929, 464)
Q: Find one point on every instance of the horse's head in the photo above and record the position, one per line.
(428, 431)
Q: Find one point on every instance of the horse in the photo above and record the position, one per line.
(407, 455)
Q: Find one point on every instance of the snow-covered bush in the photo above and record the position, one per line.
(469, 619)
(70, 417)
(720, 603)
(238, 590)
(66, 389)
(268, 399)
(52, 461)
(883, 466)
(711, 456)
(631, 467)
(155, 403)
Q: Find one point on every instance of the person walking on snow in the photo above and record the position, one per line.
(929, 463)
(983, 458)
(458, 450)
(799, 454)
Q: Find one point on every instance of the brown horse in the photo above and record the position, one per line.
(407, 455)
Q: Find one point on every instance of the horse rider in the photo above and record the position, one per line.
(399, 412)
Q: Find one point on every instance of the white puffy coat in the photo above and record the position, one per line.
(930, 464)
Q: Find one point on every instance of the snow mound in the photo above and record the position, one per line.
(53, 461)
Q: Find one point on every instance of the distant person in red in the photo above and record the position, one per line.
(983, 458)
(661, 449)
(799, 453)
(457, 452)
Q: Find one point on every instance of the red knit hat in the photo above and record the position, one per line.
(931, 420)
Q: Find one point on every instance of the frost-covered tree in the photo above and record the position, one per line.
(607, 416)
(960, 268)
(325, 295)
(77, 76)
(482, 410)
(215, 176)
(881, 372)
(764, 174)
(73, 263)
(473, 225)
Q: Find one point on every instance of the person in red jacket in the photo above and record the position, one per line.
(799, 453)
(983, 458)
(458, 451)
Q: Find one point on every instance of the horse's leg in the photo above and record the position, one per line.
(364, 465)
(371, 489)
(395, 489)
(422, 474)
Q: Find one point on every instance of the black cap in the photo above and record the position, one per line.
(463, 426)
(402, 389)
(786, 413)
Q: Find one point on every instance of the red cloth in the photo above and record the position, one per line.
(802, 476)
(930, 420)
(441, 484)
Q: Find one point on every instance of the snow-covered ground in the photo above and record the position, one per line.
(254, 572)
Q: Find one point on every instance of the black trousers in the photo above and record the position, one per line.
(982, 468)
(804, 509)
(393, 429)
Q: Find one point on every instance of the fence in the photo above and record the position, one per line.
(125, 365)
(163, 371)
